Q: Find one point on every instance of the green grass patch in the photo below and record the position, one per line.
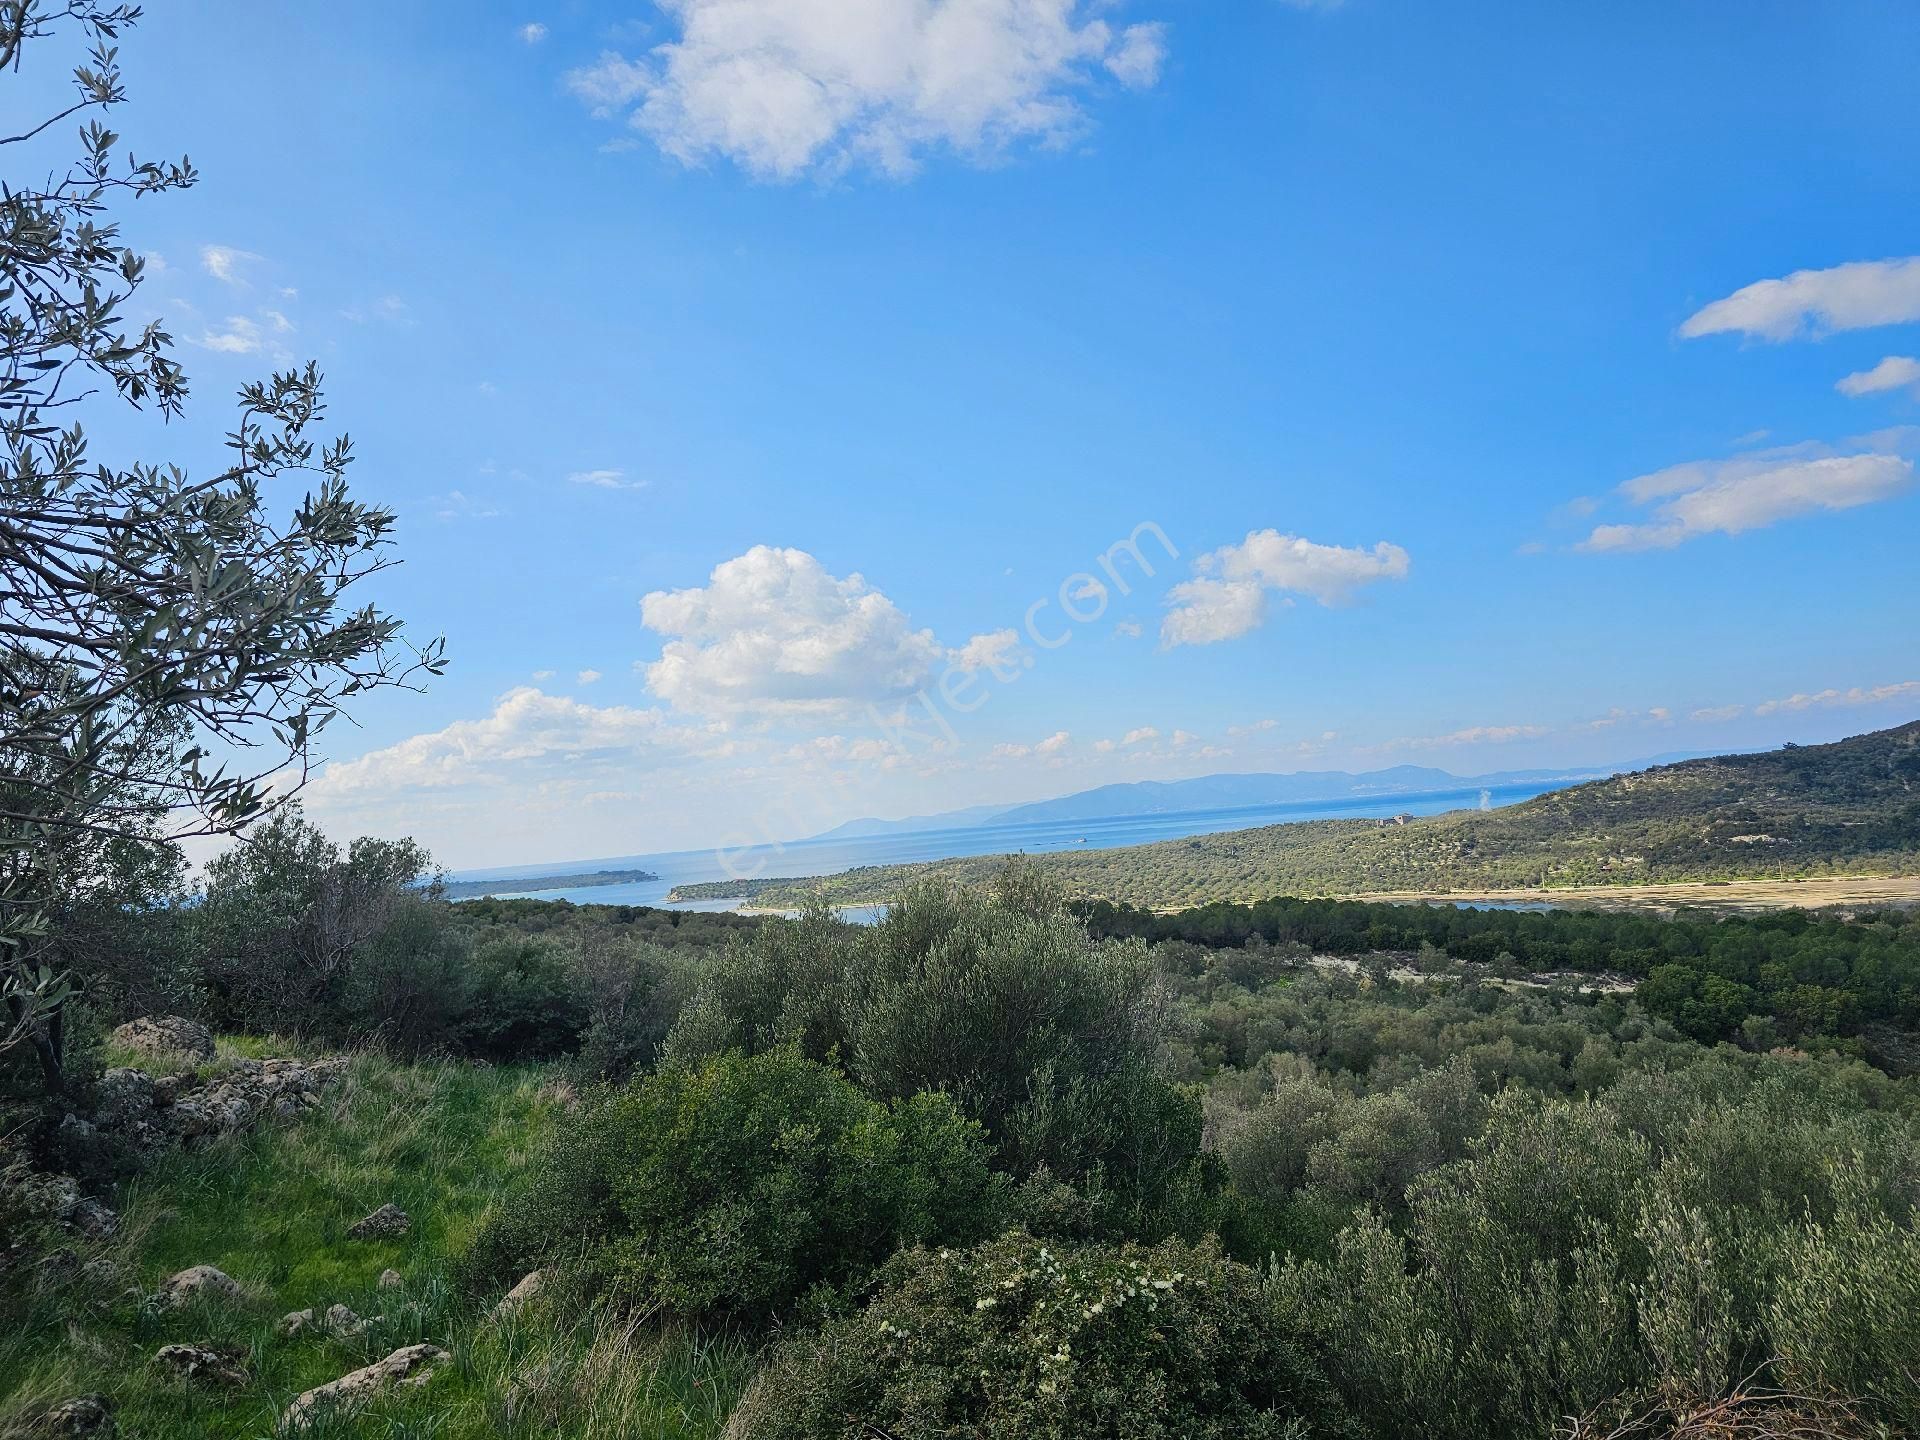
(272, 1209)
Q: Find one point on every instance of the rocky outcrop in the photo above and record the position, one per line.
(198, 1282)
(204, 1364)
(530, 1286)
(166, 1036)
(390, 1280)
(82, 1415)
(153, 1113)
(410, 1365)
(383, 1224)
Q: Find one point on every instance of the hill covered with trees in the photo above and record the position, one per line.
(1851, 807)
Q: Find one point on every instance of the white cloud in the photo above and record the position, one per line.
(997, 650)
(1843, 699)
(240, 336)
(543, 674)
(224, 263)
(532, 34)
(1048, 748)
(1478, 735)
(773, 631)
(525, 725)
(784, 87)
(1140, 736)
(1730, 497)
(587, 677)
(605, 480)
(1205, 611)
(1228, 598)
(1253, 729)
(1817, 302)
(1896, 372)
(1129, 630)
(1713, 713)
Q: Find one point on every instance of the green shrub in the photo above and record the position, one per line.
(1019, 1339)
(1054, 1042)
(738, 1189)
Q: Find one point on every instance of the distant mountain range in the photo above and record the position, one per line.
(1847, 808)
(1229, 792)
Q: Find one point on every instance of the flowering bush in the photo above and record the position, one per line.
(1017, 1339)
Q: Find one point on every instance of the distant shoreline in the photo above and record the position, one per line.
(533, 884)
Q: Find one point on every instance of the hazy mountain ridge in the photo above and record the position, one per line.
(1222, 792)
(1850, 807)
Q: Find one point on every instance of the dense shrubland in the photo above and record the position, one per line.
(1153, 1176)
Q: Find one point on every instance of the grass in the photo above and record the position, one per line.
(271, 1209)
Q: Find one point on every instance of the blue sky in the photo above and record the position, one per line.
(936, 300)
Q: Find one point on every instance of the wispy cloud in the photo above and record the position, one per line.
(1855, 296)
(225, 263)
(1896, 372)
(1750, 492)
(533, 33)
(605, 480)
(1858, 695)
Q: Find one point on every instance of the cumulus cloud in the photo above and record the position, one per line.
(532, 34)
(1896, 372)
(997, 650)
(1141, 736)
(1229, 596)
(772, 631)
(785, 87)
(587, 677)
(526, 725)
(1730, 497)
(1843, 699)
(1816, 302)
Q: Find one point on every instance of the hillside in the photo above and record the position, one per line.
(1849, 807)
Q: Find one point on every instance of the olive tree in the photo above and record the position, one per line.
(171, 643)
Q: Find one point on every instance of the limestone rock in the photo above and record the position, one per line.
(198, 1282)
(336, 1320)
(530, 1285)
(82, 1415)
(389, 1220)
(390, 1280)
(204, 1364)
(409, 1365)
(152, 1113)
(169, 1035)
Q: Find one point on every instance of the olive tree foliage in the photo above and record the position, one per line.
(171, 644)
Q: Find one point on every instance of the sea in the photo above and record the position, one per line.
(827, 857)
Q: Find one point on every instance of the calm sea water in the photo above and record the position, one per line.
(825, 857)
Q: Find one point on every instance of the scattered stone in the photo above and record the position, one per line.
(204, 1364)
(82, 1415)
(199, 1282)
(530, 1285)
(91, 1219)
(388, 1220)
(409, 1365)
(294, 1321)
(390, 1280)
(166, 1035)
(122, 1097)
